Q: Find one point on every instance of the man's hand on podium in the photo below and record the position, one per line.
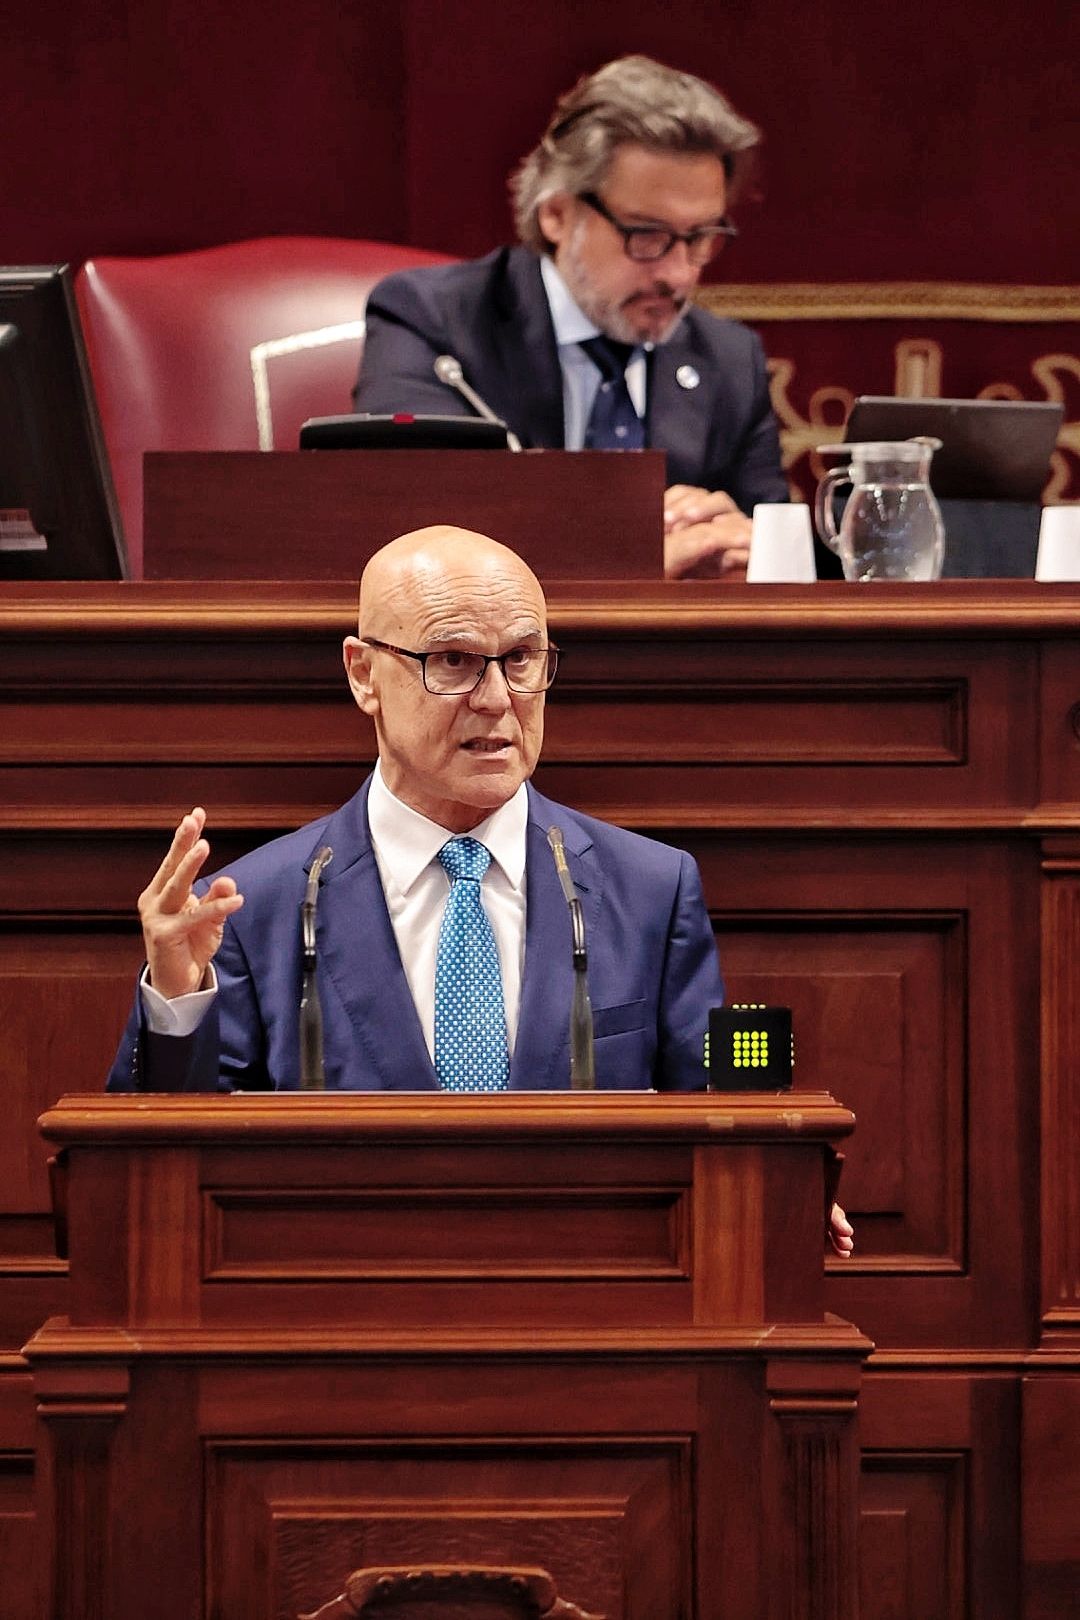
(705, 534)
(841, 1233)
(181, 932)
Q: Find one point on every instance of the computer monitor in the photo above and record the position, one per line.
(58, 513)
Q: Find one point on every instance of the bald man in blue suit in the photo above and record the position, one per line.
(452, 664)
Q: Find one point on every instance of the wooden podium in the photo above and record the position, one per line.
(312, 1333)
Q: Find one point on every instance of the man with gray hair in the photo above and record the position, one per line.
(584, 336)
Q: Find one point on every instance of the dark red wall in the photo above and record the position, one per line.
(912, 141)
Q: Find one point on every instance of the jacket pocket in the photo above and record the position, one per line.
(621, 1020)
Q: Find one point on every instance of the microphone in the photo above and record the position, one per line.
(448, 370)
(582, 1054)
(312, 1074)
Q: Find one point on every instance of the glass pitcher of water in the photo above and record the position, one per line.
(891, 527)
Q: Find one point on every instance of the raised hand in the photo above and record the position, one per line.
(181, 931)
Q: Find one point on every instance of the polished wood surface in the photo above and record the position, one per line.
(881, 787)
(549, 1383)
(313, 515)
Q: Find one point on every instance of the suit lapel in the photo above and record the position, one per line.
(542, 1050)
(373, 1039)
(525, 338)
(379, 1045)
(681, 419)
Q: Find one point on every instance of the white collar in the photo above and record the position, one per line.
(407, 842)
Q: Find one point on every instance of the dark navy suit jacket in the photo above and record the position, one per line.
(653, 970)
(492, 315)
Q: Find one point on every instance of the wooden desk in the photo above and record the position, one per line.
(881, 789)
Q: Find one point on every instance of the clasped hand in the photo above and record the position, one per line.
(705, 534)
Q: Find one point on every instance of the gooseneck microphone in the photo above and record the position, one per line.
(582, 1054)
(312, 1073)
(448, 370)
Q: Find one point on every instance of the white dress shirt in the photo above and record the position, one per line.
(581, 378)
(415, 885)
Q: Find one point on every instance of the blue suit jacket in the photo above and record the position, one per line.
(492, 314)
(653, 970)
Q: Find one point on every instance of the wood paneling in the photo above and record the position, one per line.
(871, 993)
(610, 1521)
(1061, 1094)
(881, 791)
(1051, 1506)
(912, 1536)
(330, 1431)
(19, 1590)
(940, 1503)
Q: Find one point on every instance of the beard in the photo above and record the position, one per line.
(616, 317)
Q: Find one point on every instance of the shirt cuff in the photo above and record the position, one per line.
(181, 1016)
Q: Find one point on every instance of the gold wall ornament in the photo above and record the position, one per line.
(889, 300)
(919, 364)
(814, 358)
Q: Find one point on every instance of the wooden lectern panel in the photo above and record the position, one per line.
(320, 514)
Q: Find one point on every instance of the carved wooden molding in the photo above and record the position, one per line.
(816, 1431)
(392, 1589)
(820, 1460)
(1061, 1098)
(919, 360)
(81, 1406)
(743, 1117)
(207, 610)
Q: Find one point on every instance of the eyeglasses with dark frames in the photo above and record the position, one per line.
(450, 672)
(644, 243)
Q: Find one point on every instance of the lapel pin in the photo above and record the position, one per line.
(687, 377)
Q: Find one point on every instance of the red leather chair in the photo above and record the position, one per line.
(227, 348)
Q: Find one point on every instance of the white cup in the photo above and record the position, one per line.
(1059, 544)
(781, 545)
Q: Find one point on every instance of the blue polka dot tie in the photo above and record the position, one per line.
(471, 1053)
(613, 422)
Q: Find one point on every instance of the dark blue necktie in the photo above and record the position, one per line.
(470, 1021)
(613, 422)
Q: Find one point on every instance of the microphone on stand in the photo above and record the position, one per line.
(312, 1073)
(448, 370)
(582, 1054)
